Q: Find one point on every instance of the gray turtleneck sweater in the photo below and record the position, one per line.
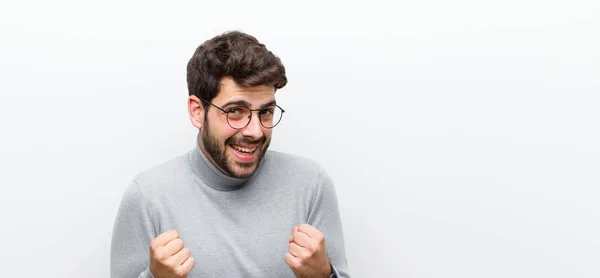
(233, 227)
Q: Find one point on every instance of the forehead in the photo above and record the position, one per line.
(230, 91)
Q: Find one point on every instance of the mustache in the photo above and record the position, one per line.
(244, 140)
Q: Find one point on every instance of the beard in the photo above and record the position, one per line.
(218, 152)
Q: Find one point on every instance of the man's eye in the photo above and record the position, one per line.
(267, 112)
(235, 111)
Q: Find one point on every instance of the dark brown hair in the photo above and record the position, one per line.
(237, 55)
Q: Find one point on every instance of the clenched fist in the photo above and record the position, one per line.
(168, 257)
(307, 254)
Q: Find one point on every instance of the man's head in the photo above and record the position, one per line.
(226, 75)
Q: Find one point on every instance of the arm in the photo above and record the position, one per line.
(325, 216)
(132, 233)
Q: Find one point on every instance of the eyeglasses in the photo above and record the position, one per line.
(239, 117)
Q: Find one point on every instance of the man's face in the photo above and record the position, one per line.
(236, 152)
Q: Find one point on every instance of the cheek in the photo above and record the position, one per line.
(226, 134)
(222, 133)
(267, 133)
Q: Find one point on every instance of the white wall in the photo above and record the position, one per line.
(462, 135)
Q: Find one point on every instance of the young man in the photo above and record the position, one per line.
(229, 207)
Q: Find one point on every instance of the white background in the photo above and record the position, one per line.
(462, 135)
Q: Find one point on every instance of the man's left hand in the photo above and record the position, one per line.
(307, 253)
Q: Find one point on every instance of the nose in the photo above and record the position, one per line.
(253, 129)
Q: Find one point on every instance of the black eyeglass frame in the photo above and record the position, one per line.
(249, 117)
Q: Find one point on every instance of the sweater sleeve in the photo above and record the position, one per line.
(132, 233)
(325, 216)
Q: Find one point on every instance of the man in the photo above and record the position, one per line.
(229, 207)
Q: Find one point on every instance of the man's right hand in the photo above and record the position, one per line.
(168, 257)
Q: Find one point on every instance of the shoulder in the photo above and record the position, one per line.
(281, 161)
(158, 177)
(294, 167)
(152, 186)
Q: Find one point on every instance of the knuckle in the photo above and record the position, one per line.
(310, 253)
(317, 246)
(297, 264)
(153, 244)
(178, 241)
(181, 272)
(291, 262)
(161, 256)
(173, 233)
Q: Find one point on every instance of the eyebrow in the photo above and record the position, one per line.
(247, 104)
(270, 103)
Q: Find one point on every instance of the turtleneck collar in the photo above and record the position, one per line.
(211, 175)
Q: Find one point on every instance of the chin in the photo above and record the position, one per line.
(243, 172)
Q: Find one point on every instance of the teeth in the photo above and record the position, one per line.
(242, 149)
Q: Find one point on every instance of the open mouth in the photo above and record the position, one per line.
(244, 150)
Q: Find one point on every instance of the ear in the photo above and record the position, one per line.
(196, 111)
